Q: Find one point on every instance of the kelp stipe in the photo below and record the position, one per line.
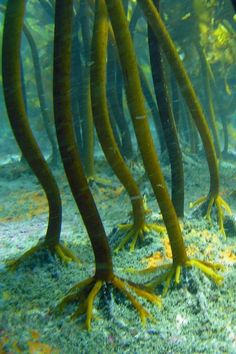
(88, 288)
(159, 78)
(137, 229)
(150, 159)
(185, 85)
(11, 73)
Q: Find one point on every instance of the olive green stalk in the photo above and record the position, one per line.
(168, 47)
(87, 289)
(67, 140)
(11, 74)
(103, 126)
(85, 103)
(135, 101)
(138, 113)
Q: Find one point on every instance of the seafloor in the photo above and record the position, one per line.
(196, 317)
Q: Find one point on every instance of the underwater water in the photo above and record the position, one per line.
(117, 176)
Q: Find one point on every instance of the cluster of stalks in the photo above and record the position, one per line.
(89, 57)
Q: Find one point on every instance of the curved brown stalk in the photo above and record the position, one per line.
(187, 90)
(151, 163)
(85, 291)
(14, 100)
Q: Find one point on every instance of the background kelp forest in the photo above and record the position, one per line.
(117, 176)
